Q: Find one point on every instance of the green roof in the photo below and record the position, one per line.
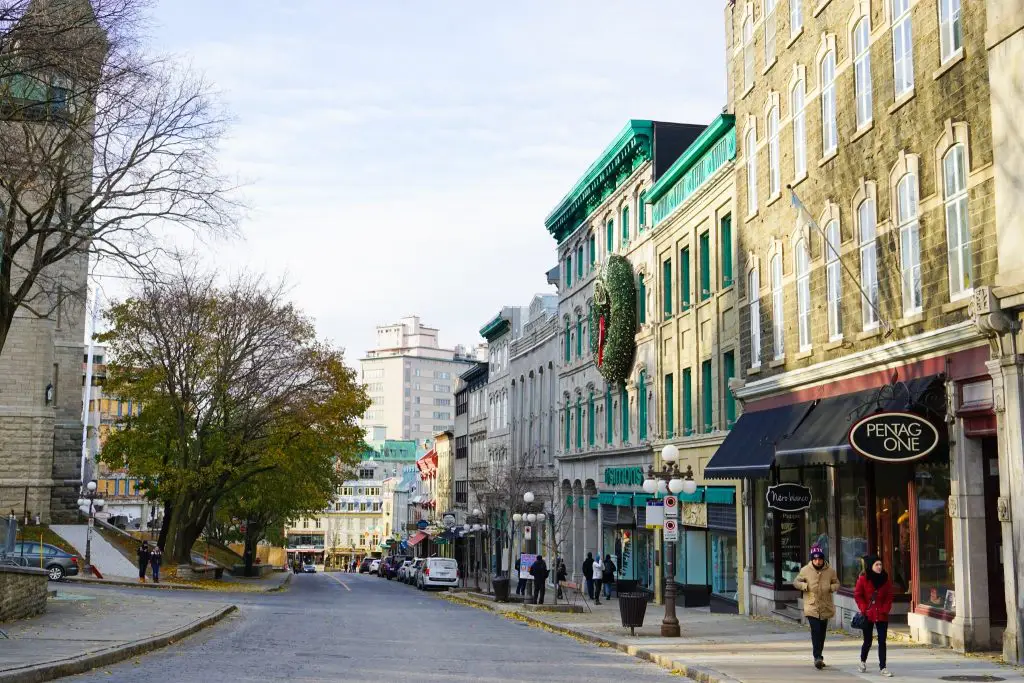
(495, 328)
(391, 449)
(630, 148)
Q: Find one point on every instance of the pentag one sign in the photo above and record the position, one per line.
(894, 437)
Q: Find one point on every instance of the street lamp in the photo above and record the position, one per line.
(90, 492)
(670, 479)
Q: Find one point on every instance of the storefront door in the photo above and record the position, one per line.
(892, 521)
(993, 532)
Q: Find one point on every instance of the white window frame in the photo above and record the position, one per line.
(750, 150)
(829, 128)
(754, 296)
(798, 103)
(867, 238)
(958, 232)
(774, 174)
(862, 70)
(907, 219)
(796, 18)
(902, 47)
(951, 38)
(748, 52)
(802, 270)
(778, 312)
(770, 31)
(834, 280)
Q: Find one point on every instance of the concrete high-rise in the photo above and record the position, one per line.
(411, 380)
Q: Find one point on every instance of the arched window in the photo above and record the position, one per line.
(748, 52)
(958, 236)
(862, 70)
(778, 314)
(796, 17)
(902, 48)
(774, 180)
(750, 150)
(796, 100)
(834, 280)
(910, 243)
(642, 409)
(803, 294)
(829, 132)
(867, 234)
(754, 297)
(770, 30)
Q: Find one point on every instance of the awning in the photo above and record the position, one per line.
(749, 449)
(417, 537)
(640, 499)
(695, 497)
(720, 495)
(822, 437)
(623, 500)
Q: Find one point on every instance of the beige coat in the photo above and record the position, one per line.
(818, 586)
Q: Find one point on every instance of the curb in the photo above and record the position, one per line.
(697, 673)
(82, 663)
(282, 587)
(129, 584)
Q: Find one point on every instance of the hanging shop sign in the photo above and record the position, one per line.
(624, 476)
(788, 497)
(894, 437)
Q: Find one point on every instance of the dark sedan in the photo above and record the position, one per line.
(55, 561)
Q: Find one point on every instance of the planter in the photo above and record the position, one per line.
(501, 588)
(632, 607)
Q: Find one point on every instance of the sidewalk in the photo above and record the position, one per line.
(732, 648)
(104, 556)
(84, 629)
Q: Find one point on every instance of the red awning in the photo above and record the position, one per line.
(417, 537)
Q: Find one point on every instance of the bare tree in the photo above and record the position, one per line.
(105, 150)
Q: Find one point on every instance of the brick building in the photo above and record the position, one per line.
(853, 299)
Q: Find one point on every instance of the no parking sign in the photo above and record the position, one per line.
(671, 530)
(671, 507)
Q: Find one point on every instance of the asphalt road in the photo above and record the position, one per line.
(344, 627)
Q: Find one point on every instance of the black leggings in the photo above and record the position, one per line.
(883, 628)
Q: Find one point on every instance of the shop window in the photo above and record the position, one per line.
(892, 515)
(692, 557)
(853, 516)
(816, 517)
(724, 559)
(934, 536)
(764, 536)
(793, 543)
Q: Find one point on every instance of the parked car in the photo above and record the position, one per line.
(55, 561)
(389, 567)
(438, 572)
(364, 566)
(308, 568)
(374, 566)
(413, 570)
(402, 569)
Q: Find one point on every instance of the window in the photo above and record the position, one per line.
(610, 236)
(829, 133)
(462, 493)
(796, 18)
(754, 297)
(778, 320)
(902, 48)
(590, 419)
(670, 411)
(705, 266)
(641, 399)
(579, 336)
(834, 280)
(568, 445)
(579, 263)
(609, 415)
(796, 101)
(773, 152)
(625, 226)
(868, 262)
(748, 53)
(769, 31)
(862, 70)
(642, 303)
(958, 238)
(567, 346)
(641, 211)
(910, 244)
(803, 294)
(729, 372)
(934, 534)
(568, 270)
(950, 32)
(579, 423)
(666, 288)
(624, 400)
(725, 242)
(684, 279)
(687, 402)
(750, 149)
(705, 371)
(593, 250)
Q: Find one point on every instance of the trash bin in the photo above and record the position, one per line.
(632, 607)
(626, 586)
(501, 588)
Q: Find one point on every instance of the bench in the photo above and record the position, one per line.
(574, 594)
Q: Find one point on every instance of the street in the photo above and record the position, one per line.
(331, 627)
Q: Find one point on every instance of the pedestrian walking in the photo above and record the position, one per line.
(598, 577)
(539, 572)
(521, 584)
(143, 554)
(873, 594)
(608, 576)
(156, 556)
(588, 574)
(818, 582)
(560, 578)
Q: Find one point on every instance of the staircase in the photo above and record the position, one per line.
(788, 611)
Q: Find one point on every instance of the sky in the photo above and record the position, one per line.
(399, 157)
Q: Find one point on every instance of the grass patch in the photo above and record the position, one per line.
(33, 532)
(218, 554)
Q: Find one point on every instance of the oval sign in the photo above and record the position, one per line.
(788, 497)
(894, 437)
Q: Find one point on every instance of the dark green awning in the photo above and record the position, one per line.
(722, 495)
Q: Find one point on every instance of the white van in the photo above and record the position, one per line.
(438, 572)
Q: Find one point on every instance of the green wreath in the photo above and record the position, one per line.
(613, 313)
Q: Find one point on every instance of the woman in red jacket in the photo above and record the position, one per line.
(873, 594)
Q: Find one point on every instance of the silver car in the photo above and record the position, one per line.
(55, 561)
(412, 573)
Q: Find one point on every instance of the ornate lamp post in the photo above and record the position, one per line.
(90, 495)
(661, 481)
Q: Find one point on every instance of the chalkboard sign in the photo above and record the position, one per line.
(788, 497)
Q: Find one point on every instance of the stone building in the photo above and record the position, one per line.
(606, 432)
(853, 300)
(470, 450)
(697, 342)
(40, 395)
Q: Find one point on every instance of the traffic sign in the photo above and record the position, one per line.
(671, 507)
(671, 530)
(528, 532)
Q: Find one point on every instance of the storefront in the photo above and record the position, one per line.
(707, 554)
(869, 470)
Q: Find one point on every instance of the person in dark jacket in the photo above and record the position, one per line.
(560, 577)
(608, 577)
(156, 557)
(873, 594)
(143, 554)
(539, 572)
(588, 574)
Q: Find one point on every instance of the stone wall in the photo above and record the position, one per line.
(22, 593)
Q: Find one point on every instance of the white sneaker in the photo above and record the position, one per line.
(862, 667)
(886, 673)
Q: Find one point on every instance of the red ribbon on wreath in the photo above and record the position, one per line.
(600, 340)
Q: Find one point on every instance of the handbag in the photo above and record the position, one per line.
(860, 620)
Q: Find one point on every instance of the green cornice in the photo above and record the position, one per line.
(712, 134)
(630, 148)
(494, 329)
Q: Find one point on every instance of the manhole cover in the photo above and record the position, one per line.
(965, 677)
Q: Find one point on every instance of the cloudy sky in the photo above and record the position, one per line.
(401, 155)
